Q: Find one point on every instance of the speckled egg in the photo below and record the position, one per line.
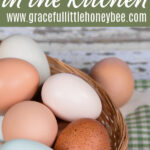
(83, 134)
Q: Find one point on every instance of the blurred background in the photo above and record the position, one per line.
(82, 47)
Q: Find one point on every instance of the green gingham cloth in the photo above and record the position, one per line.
(139, 123)
(142, 84)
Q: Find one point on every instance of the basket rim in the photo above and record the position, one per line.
(124, 141)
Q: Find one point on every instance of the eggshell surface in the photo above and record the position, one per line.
(19, 46)
(30, 120)
(83, 134)
(116, 78)
(70, 97)
(22, 144)
(19, 81)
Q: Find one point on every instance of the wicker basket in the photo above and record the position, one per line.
(111, 117)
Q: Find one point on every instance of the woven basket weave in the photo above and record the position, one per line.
(111, 117)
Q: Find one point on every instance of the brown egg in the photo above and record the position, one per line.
(30, 120)
(83, 134)
(116, 78)
(19, 81)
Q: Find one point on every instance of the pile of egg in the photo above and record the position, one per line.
(64, 119)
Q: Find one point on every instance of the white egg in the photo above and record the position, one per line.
(22, 47)
(1, 134)
(70, 97)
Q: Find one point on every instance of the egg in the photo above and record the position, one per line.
(116, 78)
(1, 134)
(22, 144)
(70, 97)
(30, 120)
(83, 134)
(19, 81)
(19, 46)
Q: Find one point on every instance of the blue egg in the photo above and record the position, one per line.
(21, 144)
